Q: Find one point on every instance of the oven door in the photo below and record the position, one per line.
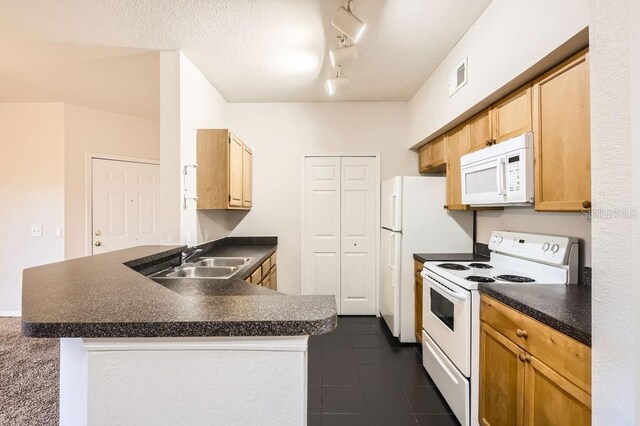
(447, 319)
(483, 182)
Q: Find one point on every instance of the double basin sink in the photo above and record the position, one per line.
(205, 267)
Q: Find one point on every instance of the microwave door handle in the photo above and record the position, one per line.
(442, 288)
(500, 177)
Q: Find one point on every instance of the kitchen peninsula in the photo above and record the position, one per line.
(168, 351)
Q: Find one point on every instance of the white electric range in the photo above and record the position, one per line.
(451, 306)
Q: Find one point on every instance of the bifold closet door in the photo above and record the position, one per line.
(321, 273)
(340, 229)
(358, 220)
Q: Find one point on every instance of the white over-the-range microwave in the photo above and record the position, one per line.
(499, 175)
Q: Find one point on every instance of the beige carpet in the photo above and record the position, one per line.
(28, 377)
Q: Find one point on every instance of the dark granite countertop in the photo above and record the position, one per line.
(566, 308)
(108, 295)
(443, 257)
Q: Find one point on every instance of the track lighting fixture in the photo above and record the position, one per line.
(342, 53)
(338, 83)
(348, 23)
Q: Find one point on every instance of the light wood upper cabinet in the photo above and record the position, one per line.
(562, 137)
(247, 177)
(511, 116)
(480, 130)
(502, 379)
(530, 374)
(224, 171)
(457, 146)
(431, 157)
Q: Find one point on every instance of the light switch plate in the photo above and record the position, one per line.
(36, 230)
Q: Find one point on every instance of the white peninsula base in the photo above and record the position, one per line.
(191, 381)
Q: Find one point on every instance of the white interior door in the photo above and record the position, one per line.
(321, 274)
(340, 229)
(124, 200)
(358, 270)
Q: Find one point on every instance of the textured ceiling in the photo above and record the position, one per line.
(262, 50)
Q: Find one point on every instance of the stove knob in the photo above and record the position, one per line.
(500, 240)
(545, 247)
(555, 248)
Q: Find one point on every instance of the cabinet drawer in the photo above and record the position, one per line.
(273, 259)
(256, 276)
(266, 265)
(567, 356)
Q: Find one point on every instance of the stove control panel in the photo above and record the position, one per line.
(552, 249)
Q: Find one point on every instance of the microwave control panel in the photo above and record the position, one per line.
(514, 179)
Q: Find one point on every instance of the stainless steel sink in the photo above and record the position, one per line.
(222, 261)
(221, 272)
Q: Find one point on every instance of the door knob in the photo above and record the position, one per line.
(522, 333)
(586, 204)
(98, 232)
(97, 243)
(524, 357)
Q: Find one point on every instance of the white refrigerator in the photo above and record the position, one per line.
(414, 220)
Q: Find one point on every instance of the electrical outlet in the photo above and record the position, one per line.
(36, 230)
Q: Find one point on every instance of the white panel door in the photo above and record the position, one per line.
(125, 198)
(321, 274)
(358, 270)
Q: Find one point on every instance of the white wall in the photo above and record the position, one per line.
(89, 130)
(201, 107)
(507, 40)
(32, 190)
(615, 185)
(279, 134)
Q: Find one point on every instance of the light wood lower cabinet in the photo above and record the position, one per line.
(530, 374)
(265, 274)
(418, 300)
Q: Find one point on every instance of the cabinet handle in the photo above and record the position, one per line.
(446, 207)
(586, 204)
(97, 243)
(488, 142)
(492, 141)
(522, 333)
(524, 357)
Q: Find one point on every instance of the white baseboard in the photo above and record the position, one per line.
(10, 313)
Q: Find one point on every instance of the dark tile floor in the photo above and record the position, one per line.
(359, 374)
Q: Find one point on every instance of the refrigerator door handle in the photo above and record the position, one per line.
(392, 240)
(394, 199)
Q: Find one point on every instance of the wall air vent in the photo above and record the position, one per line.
(458, 77)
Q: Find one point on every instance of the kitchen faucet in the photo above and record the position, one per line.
(188, 254)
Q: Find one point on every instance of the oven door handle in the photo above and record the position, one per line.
(441, 287)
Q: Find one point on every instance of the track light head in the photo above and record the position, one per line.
(341, 55)
(348, 23)
(332, 85)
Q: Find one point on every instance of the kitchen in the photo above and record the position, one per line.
(424, 119)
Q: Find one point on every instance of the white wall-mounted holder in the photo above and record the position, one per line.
(188, 196)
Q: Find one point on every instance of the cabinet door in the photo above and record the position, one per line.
(480, 130)
(273, 278)
(418, 309)
(512, 115)
(457, 146)
(424, 158)
(550, 399)
(502, 376)
(431, 156)
(562, 137)
(236, 148)
(247, 176)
